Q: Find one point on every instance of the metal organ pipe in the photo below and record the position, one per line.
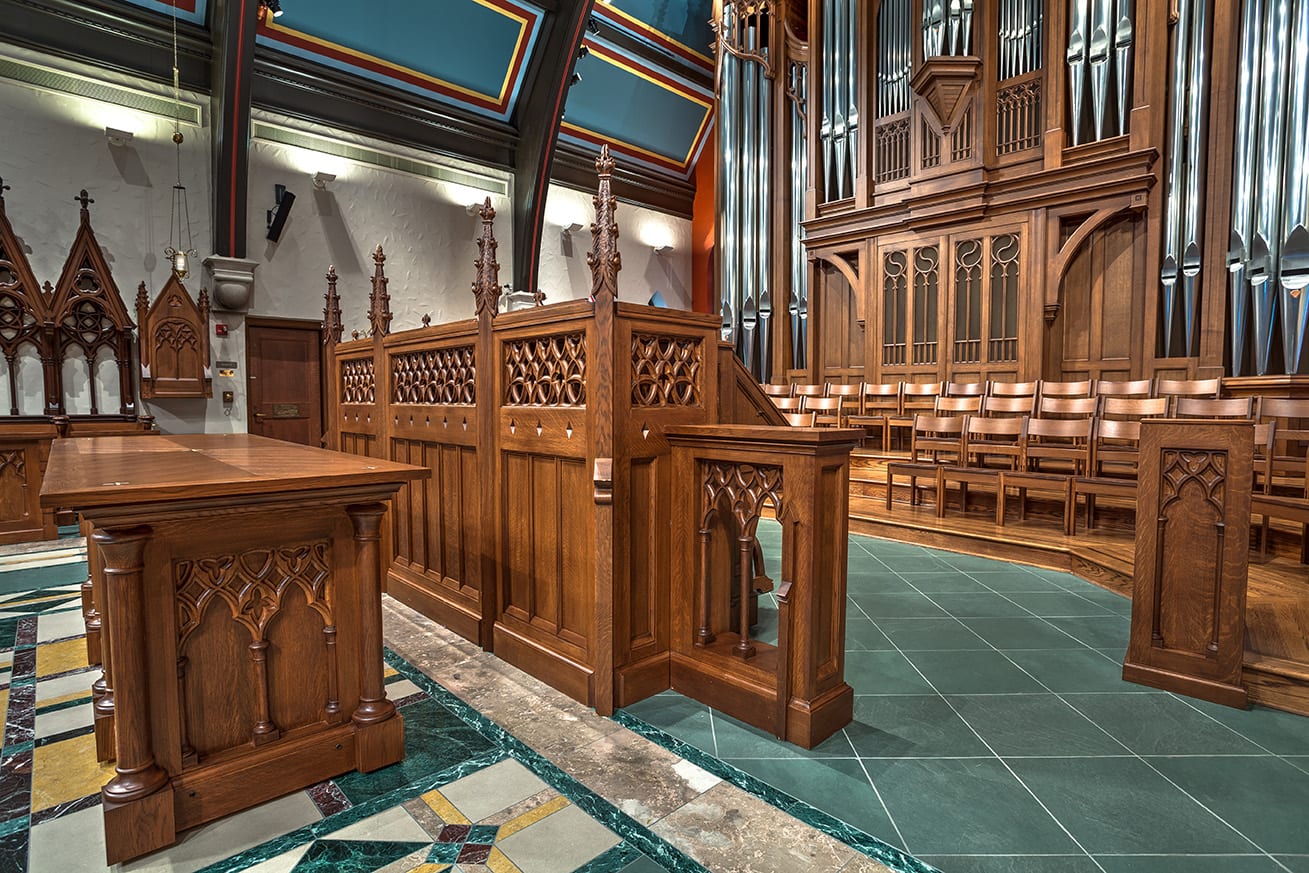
(828, 90)
(1176, 178)
(799, 165)
(763, 229)
(1295, 224)
(1098, 59)
(1246, 162)
(851, 87)
(1266, 245)
(1197, 83)
(1123, 32)
(1078, 37)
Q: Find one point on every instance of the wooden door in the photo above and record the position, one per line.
(838, 347)
(284, 386)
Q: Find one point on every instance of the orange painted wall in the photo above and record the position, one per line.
(704, 212)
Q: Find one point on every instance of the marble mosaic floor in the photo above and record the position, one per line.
(993, 734)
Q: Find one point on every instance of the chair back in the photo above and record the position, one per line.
(1004, 406)
(1133, 407)
(799, 419)
(1187, 387)
(1078, 407)
(773, 390)
(965, 389)
(1210, 407)
(810, 391)
(1014, 389)
(788, 404)
(958, 405)
(880, 398)
(1066, 389)
(827, 410)
(919, 396)
(1132, 388)
(933, 433)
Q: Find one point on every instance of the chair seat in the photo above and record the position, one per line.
(1028, 480)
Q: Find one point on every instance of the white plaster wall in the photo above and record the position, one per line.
(422, 224)
(564, 274)
(53, 145)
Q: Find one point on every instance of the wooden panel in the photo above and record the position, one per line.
(21, 517)
(1188, 597)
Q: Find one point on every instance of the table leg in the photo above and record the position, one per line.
(138, 801)
(379, 730)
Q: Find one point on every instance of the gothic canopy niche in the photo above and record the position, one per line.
(174, 342)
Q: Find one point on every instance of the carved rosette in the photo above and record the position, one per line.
(332, 326)
(358, 381)
(437, 376)
(379, 301)
(604, 258)
(546, 371)
(665, 370)
(486, 287)
(745, 489)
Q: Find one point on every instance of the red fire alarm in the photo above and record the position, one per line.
(220, 329)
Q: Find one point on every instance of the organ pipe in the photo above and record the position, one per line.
(947, 29)
(1021, 24)
(1197, 116)
(1244, 173)
(1295, 223)
(1099, 31)
(1266, 244)
(798, 307)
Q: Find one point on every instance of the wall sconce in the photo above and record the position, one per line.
(473, 208)
(569, 229)
(118, 138)
(661, 249)
(321, 179)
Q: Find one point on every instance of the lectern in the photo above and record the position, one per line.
(238, 580)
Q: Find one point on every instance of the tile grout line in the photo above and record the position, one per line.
(1061, 698)
(983, 741)
(886, 809)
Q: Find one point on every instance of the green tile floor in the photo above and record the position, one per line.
(993, 733)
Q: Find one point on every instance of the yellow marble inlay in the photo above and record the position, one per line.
(42, 703)
(444, 808)
(430, 868)
(531, 817)
(67, 770)
(389, 672)
(43, 599)
(4, 700)
(52, 658)
(498, 863)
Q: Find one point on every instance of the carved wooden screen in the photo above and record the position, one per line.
(22, 307)
(174, 342)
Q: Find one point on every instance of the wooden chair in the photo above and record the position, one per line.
(788, 404)
(1006, 407)
(933, 437)
(983, 440)
(773, 390)
(1284, 468)
(1187, 388)
(1133, 408)
(1068, 407)
(1212, 407)
(809, 391)
(849, 396)
(1115, 453)
(878, 402)
(799, 419)
(1065, 442)
(1014, 389)
(969, 405)
(915, 398)
(827, 410)
(965, 389)
(1132, 388)
(1065, 389)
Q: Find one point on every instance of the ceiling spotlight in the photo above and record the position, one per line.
(118, 138)
(592, 25)
(576, 77)
(660, 249)
(473, 208)
(321, 179)
(275, 7)
(582, 52)
(570, 229)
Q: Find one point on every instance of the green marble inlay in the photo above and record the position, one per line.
(620, 858)
(56, 707)
(352, 856)
(444, 853)
(815, 818)
(14, 825)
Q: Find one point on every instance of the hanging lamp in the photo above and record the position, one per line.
(181, 245)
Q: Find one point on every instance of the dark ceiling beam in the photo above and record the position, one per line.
(540, 109)
(234, 23)
(313, 92)
(110, 34)
(574, 167)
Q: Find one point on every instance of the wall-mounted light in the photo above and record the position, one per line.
(583, 51)
(473, 208)
(569, 229)
(118, 138)
(661, 249)
(575, 78)
(593, 26)
(321, 179)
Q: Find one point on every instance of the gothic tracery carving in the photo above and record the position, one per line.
(666, 370)
(546, 371)
(358, 383)
(445, 376)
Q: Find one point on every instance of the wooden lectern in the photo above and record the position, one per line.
(239, 584)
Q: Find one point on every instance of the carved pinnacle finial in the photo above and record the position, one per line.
(83, 198)
(486, 287)
(604, 259)
(427, 319)
(142, 297)
(332, 327)
(3, 189)
(379, 301)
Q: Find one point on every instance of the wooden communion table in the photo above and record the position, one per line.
(238, 581)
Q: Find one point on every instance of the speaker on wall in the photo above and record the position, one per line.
(278, 214)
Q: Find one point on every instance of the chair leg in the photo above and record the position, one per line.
(1070, 509)
(999, 501)
(890, 486)
(940, 494)
(1090, 511)
(1022, 504)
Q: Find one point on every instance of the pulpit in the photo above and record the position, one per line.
(239, 585)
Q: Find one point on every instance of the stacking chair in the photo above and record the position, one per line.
(788, 404)
(827, 410)
(1133, 408)
(809, 391)
(984, 440)
(849, 397)
(1068, 407)
(799, 419)
(1187, 388)
(1284, 472)
(878, 402)
(1066, 389)
(1212, 407)
(773, 390)
(1115, 453)
(965, 389)
(1132, 388)
(1013, 389)
(1062, 442)
(915, 398)
(967, 405)
(936, 440)
(1006, 407)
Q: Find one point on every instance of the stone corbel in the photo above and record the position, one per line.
(233, 281)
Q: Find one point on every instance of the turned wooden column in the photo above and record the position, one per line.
(379, 737)
(138, 801)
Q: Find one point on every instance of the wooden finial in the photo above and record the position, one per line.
(427, 319)
(486, 287)
(379, 301)
(538, 297)
(86, 201)
(332, 327)
(604, 259)
(3, 189)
